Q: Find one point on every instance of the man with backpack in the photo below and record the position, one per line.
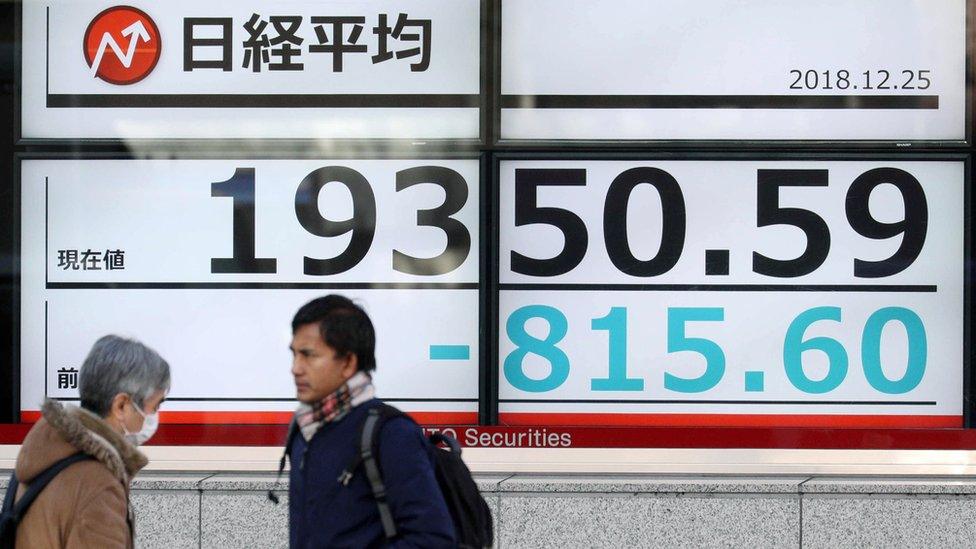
(339, 497)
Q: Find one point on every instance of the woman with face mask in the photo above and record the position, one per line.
(122, 384)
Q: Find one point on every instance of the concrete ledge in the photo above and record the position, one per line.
(557, 510)
(673, 484)
(622, 461)
(909, 485)
(168, 481)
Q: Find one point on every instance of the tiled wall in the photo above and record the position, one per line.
(225, 511)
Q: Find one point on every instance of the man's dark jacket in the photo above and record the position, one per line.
(324, 513)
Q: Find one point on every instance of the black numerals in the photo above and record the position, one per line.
(769, 212)
(362, 224)
(240, 187)
(913, 225)
(796, 83)
(923, 80)
(458, 238)
(672, 222)
(869, 80)
(883, 85)
(528, 212)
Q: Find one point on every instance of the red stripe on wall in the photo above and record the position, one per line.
(596, 437)
(274, 418)
(858, 432)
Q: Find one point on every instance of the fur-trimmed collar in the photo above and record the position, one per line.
(90, 434)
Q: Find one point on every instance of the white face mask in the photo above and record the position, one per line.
(149, 425)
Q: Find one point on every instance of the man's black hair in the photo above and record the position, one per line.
(343, 325)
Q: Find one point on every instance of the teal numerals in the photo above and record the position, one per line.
(546, 348)
(616, 324)
(871, 350)
(794, 346)
(714, 357)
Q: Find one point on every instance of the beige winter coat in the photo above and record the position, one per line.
(87, 504)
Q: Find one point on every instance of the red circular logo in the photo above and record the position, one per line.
(122, 45)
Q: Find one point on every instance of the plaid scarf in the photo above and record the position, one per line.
(311, 417)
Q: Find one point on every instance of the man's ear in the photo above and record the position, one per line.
(352, 365)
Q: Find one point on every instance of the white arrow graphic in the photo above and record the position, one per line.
(134, 32)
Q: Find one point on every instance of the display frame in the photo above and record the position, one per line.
(968, 373)
(14, 393)
(182, 146)
(512, 145)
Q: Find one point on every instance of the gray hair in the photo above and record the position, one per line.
(118, 365)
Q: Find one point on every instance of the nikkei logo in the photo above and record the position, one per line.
(122, 45)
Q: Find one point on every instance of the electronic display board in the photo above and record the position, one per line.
(753, 292)
(208, 260)
(737, 290)
(874, 70)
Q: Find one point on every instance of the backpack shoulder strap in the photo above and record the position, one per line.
(289, 438)
(366, 456)
(8, 500)
(8, 526)
(38, 484)
(368, 436)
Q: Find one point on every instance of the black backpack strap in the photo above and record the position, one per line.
(8, 527)
(368, 444)
(385, 412)
(8, 500)
(38, 484)
(289, 438)
(370, 428)
(452, 444)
